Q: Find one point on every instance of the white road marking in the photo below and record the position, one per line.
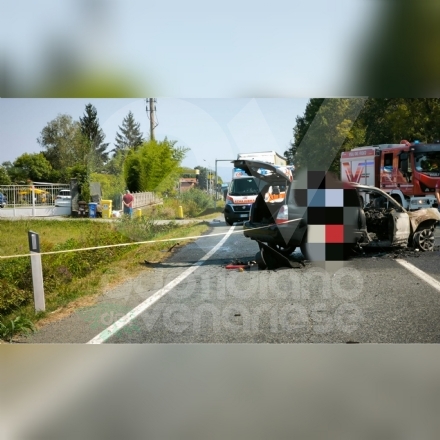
(132, 314)
(419, 273)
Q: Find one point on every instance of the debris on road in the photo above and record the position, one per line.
(240, 265)
(152, 264)
(389, 253)
(171, 248)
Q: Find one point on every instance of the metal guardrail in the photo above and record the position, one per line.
(31, 195)
(144, 199)
(44, 195)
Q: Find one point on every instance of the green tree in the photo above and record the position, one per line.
(130, 135)
(94, 135)
(393, 119)
(205, 175)
(331, 126)
(13, 173)
(178, 153)
(4, 176)
(133, 171)
(187, 172)
(80, 172)
(62, 142)
(327, 128)
(154, 166)
(34, 167)
(115, 166)
(302, 125)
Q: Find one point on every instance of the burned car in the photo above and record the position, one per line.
(388, 224)
(282, 224)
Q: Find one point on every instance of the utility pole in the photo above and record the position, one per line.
(151, 112)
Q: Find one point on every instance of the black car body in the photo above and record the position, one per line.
(382, 222)
(262, 224)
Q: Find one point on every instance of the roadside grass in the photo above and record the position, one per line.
(14, 238)
(76, 279)
(169, 210)
(211, 213)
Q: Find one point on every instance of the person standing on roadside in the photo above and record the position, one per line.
(127, 200)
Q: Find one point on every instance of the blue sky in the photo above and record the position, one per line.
(211, 128)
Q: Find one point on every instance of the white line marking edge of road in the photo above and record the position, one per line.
(420, 274)
(132, 314)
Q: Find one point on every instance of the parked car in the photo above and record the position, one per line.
(3, 200)
(382, 222)
(63, 198)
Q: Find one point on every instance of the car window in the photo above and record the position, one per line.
(292, 195)
(379, 200)
(240, 187)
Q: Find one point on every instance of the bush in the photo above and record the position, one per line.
(15, 283)
(59, 269)
(161, 212)
(168, 212)
(195, 201)
(10, 327)
(141, 229)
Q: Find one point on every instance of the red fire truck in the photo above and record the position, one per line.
(407, 171)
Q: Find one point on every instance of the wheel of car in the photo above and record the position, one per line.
(283, 250)
(269, 261)
(228, 222)
(304, 251)
(424, 240)
(260, 260)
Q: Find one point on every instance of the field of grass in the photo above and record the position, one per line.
(14, 234)
(169, 210)
(74, 279)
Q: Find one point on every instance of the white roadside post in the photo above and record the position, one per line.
(37, 271)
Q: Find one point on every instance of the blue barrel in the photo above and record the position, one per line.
(92, 210)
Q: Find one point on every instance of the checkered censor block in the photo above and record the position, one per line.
(332, 215)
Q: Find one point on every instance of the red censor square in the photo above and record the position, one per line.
(334, 233)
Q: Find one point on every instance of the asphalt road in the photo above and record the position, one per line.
(373, 299)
